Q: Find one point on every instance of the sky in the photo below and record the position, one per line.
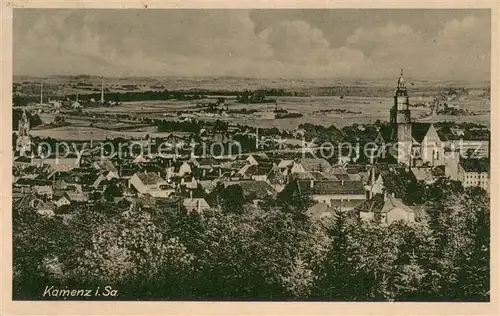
(436, 44)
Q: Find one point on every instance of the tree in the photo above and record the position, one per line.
(230, 199)
(133, 253)
(292, 201)
(38, 244)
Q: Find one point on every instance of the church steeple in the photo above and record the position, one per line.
(401, 88)
(400, 118)
(23, 136)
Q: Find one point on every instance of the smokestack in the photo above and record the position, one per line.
(102, 89)
(76, 96)
(41, 93)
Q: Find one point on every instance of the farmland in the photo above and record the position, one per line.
(319, 106)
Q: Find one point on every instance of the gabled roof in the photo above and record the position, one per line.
(284, 163)
(378, 204)
(257, 170)
(475, 165)
(419, 130)
(149, 178)
(320, 165)
(260, 189)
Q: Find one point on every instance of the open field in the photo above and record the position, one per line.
(103, 122)
(323, 106)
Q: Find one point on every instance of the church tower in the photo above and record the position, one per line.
(23, 144)
(401, 122)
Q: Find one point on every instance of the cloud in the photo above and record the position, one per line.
(460, 49)
(225, 42)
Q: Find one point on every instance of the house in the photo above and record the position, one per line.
(142, 158)
(308, 165)
(61, 200)
(66, 183)
(208, 185)
(44, 191)
(256, 172)
(384, 209)
(254, 190)
(78, 197)
(195, 204)
(474, 173)
(152, 184)
(179, 169)
(327, 191)
(33, 202)
(387, 177)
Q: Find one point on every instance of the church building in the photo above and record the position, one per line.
(412, 144)
(23, 144)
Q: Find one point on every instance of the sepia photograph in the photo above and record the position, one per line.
(273, 155)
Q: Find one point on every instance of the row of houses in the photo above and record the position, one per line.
(358, 189)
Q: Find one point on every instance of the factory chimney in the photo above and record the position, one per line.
(102, 90)
(41, 93)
